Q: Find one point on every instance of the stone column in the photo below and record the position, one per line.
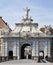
(18, 50)
(33, 50)
(37, 48)
(45, 48)
(48, 48)
(14, 49)
(5, 48)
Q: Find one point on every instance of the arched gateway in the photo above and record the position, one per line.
(25, 51)
(26, 40)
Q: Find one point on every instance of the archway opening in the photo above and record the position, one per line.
(10, 54)
(25, 51)
(41, 54)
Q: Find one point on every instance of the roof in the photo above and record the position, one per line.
(3, 23)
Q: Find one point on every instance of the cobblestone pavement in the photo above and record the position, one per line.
(20, 62)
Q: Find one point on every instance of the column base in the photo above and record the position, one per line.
(14, 57)
(34, 57)
(3, 58)
(0, 59)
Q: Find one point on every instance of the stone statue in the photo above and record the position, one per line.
(26, 12)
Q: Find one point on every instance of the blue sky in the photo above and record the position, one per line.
(41, 11)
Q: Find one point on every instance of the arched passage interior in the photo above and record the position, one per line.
(10, 54)
(22, 50)
(42, 54)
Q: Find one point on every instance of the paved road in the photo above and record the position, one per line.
(21, 62)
